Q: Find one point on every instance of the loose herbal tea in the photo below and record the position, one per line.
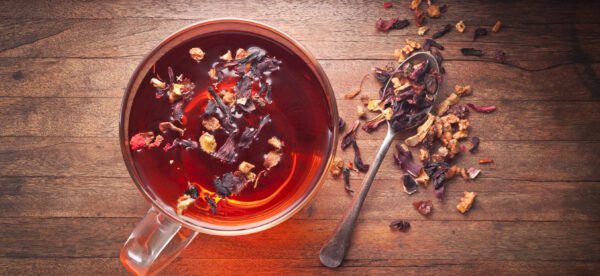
(219, 133)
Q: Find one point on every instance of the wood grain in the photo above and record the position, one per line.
(67, 203)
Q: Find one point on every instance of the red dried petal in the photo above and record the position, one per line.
(387, 5)
(482, 108)
(424, 207)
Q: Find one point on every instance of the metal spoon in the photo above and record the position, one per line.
(333, 252)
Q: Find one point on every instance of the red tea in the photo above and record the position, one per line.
(299, 116)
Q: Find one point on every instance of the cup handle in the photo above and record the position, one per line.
(154, 243)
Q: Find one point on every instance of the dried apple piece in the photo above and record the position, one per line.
(197, 54)
(336, 167)
(272, 159)
(183, 203)
(208, 143)
(275, 143)
(211, 123)
(466, 202)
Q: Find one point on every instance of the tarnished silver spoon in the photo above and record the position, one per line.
(333, 252)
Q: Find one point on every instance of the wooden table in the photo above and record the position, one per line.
(67, 202)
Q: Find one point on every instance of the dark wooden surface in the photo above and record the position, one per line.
(67, 203)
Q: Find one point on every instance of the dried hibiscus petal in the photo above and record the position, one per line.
(358, 162)
(227, 152)
(479, 32)
(230, 183)
(250, 134)
(141, 140)
(404, 159)
(401, 225)
(212, 204)
(164, 126)
(187, 144)
(482, 108)
(346, 175)
(471, 52)
(192, 191)
(410, 185)
(475, 141)
(419, 17)
(350, 136)
(430, 43)
(424, 207)
(394, 23)
(447, 28)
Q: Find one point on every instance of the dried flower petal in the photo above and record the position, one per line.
(475, 141)
(387, 5)
(497, 26)
(401, 225)
(447, 28)
(346, 175)
(230, 183)
(341, 124)
(482, 108)
(211, 123)
(409, 184)
(197, 54)
(360, 111)
(391, 24)
(212, 204)
(479, 32)
(272, 159)
(466, 202)
(227, 152)
(460, 26)
(471, 52)
(404, 159)
(424, 207)
(430, 43)
(350, 136)
(458, 110)
(419, 17)
(358, 162)
(473, 172)
(250, 134)
(164, 126)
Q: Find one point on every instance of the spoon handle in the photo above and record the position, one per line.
(333, 252)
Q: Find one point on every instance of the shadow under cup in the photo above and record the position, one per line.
(304, 116)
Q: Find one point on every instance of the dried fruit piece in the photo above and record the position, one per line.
(443, 106)
(211, 123)
(430, 43)
(391, 24)
(460, 26)
(141, 140)
(164, 126)
(373, 105)
(245, 167)
(422, 30)
(486, 161)
(350, 136)
(447, 28)
(401, 225)
(272, 159)
(227, 56)
(208, 143)
(183, 203)
(473, 172)
(471, 52)
(360, 111)
(275, 143)
(228, 97)
(421, 132)
(336, 167)
(497, 26)
(475, 141)
(212, 73)
(404, 159)
(433, 11)
(158, 83)
(197, 54)
(466, 202)
(240, 53)
(424, 207)
(413, 44)
(414, 4)
(409, 184)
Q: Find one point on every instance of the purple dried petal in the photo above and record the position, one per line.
(475, 141)
(188, 144)
(471, 52)
(439, 193)
(177, 111)
(419, 70)
(350, 136)
(482, 108)
(346, 175)
(227, 152)
(424, 207)
(250, 134)
(401, 225)
(243, 88)
(358, 162)
(404, 159)
(479, 32)
(442, 32)
(213, 205)
(429, 43)
(410, 185)
(230, 183)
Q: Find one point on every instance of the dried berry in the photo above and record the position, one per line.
(358, 162)
(409, 184)
(479, 32)
(466, 202)
(471, 52)
(424, 207)
(447, 28)
(401, 225)
(346, 175)
(482, 108)
(475, 141)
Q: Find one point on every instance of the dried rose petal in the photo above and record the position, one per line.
(358, 162)
(230, 183)
(401, 225)
(482, 108)
(424, 207)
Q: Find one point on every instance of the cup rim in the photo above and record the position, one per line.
(264, 224)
